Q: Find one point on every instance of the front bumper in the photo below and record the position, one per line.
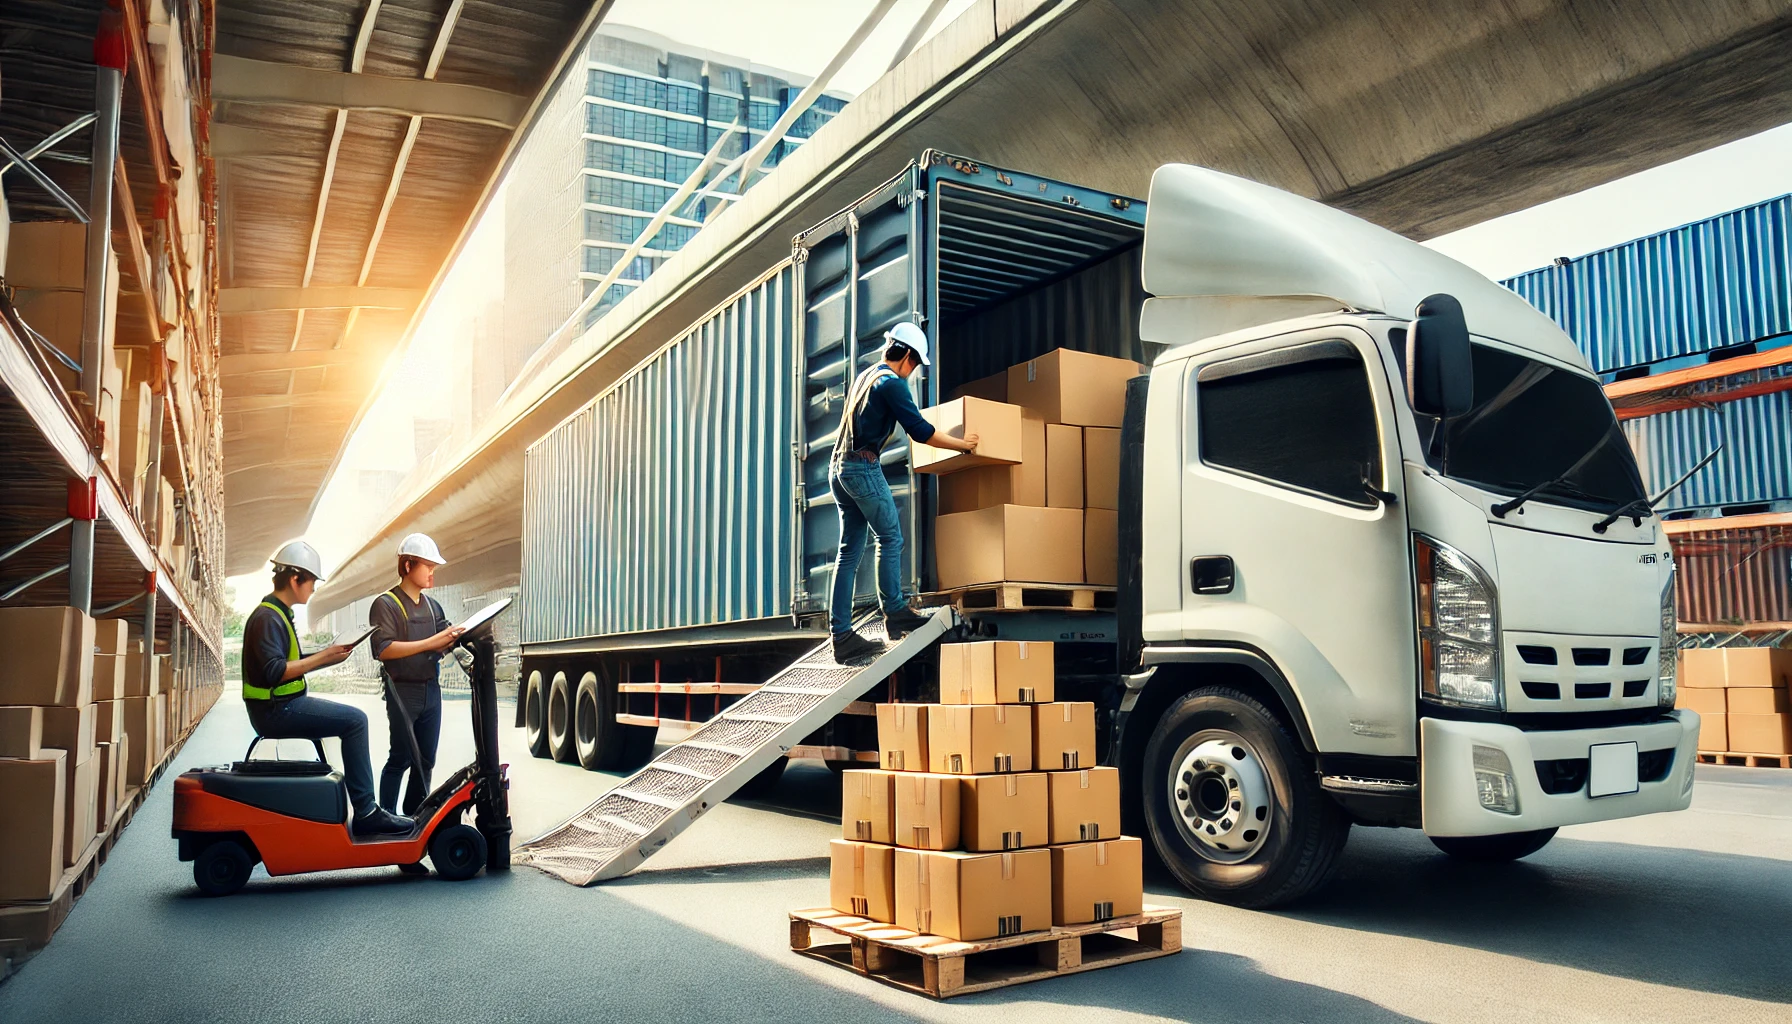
(1451, 806)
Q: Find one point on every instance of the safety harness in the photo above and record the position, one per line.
(856, 398)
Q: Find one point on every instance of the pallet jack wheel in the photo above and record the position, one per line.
(222, 868)
(458, 852)
(562, 740)
(535, 714)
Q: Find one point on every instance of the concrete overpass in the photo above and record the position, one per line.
(1422, 116)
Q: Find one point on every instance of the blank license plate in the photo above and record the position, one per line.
(1611, 769)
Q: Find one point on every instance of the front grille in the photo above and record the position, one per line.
(1542, 691)
(1635, 687)
(1535, 655)
(1592, 691)
(1562, 775)
(1636, 655)
(1654, 765)
(1592, 656)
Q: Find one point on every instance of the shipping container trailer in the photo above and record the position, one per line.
(1752, 473)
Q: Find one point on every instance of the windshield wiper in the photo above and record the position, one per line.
(1505, 508)
(1636, 510)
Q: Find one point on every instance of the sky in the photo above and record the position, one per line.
(807, 33)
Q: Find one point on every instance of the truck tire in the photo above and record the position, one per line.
(1507, 846)
(604, 744)
(535, 714)
(1233, 803)
(561, 745)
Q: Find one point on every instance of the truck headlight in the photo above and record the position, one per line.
(1459, 657)
(1669, 653)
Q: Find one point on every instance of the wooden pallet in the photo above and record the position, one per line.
(933, 965)
(1745, 760)
(1025, 597)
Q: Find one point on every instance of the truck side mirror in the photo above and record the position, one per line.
(1440, 372)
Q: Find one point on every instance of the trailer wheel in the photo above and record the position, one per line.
(222, 868)
(1494, 849)
(1233, 803)
(458, 852)
(561, 745)
(535, 715)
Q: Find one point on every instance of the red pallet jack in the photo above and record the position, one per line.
(292, 816)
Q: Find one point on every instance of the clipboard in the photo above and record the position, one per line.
(484, 616)
(352, 644)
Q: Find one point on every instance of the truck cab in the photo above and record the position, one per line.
(1382, 577)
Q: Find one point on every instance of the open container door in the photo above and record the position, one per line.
(857, 275)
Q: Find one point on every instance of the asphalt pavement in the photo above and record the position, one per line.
(1669, 918)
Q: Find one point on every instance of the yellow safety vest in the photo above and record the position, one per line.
(291, 686)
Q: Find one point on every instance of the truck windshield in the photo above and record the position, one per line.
(1531, 423)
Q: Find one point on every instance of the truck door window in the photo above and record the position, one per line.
(1302, 417)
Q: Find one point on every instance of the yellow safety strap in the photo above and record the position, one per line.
(292, 654)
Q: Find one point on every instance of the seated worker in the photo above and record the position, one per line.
(274, 686)
(878, 401)
(409, 635)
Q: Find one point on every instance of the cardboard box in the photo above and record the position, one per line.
(1714, 733)
(108, 721)
(1101, 547)
(80, 808)
(121, 756)
(868, 806)
(135, 411)
(110, 636)
(22, 731)
(49, 657)
(862, 879)
(32, 803)
(1711, 705)
(996, 424)
(1700, 668)
(1063, 466)
(1097, 881)
(47, 254)
(1101, 467)
(970, 896)
(70, 729)
(161, 734)
(1078, 388)
(1759, 734)
(1757, 666)
(1084, 805)
(139, 730)
(978, 739)
(108, 676)
(993, 388)
(928, 811)
(996, 672)
(106, 800)
(902, 737)
(1064, 736)
(139, 684)
(1009, 543)
(1002, 812)
(1757, 700)
(989, 486)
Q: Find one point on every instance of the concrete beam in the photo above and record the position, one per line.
(310, 400)
(241, 80)
(258, 362)
(264, 300)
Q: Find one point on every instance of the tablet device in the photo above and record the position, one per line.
(485, 615)
(350, 639)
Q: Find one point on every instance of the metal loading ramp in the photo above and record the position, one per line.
(630, 823)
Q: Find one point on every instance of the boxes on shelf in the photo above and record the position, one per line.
(140, 729)
(996, 672)
(1097, 881)
(22, 731)
(1009, 543)
(70, 729)
(105, 803)
(970, 896)
(33, 794)
(49, 656)
(81, 807)
(974, 739)
(996, 424)
(862, 880)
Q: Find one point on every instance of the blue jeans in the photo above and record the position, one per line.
(864, 499)
(424, 702)
(312, 718)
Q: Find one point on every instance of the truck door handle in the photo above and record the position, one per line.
(1210, 574)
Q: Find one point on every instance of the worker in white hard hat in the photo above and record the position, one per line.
(878, 400)
(274, 685)
(410, 634)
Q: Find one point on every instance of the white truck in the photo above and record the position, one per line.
(1385, 557)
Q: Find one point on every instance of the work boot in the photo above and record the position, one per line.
(380, 822)
(850, 648)
(904, 622)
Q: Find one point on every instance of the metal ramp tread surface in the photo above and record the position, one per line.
(631, 822)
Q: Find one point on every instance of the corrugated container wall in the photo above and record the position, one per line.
(1755, 465)
(1730, 576)
(685, 466)
(1720, 282)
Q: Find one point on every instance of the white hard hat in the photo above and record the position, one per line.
(914, 337)
(420, 545)
(296, 554)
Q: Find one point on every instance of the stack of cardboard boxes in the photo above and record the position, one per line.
(988, 816)
(1740, 694)
(1039, 501)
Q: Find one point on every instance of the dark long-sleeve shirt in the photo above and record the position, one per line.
(889, 403)
(266, 645)
(394, 617)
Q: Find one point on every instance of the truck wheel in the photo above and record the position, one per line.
(561, 745)
(222, 868)
(595, 731)
(535, 715)
(458, 852)
(1494, 849)
(761, 786)
(1233, 803)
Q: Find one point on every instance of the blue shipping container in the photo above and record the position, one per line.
(1755, 465)
(1710, 285)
